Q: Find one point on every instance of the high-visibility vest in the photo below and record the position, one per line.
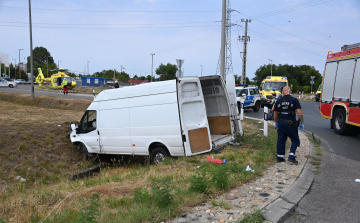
(65, 82)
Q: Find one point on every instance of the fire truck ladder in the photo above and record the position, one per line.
(349, 47)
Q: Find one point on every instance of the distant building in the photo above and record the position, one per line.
(93, 81)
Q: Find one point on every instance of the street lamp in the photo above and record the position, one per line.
(201, 69)
(15, 69)
(47, 75)
(152, 65)
(271, 66)
(19, 63)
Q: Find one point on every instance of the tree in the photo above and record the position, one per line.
(41, 58)
(23, 75)
(295, 84)
(166, 72)
(148, 78)
(141, 78)
(135, 77)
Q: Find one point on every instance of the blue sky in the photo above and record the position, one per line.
(114, 33)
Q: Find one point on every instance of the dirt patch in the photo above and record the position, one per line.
(34, 139)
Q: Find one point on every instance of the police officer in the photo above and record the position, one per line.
(285, 121)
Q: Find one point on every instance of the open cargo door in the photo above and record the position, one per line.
(230, 87)
(194, 123)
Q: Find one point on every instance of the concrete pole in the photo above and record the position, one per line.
(31, 53)
(223, 39)
(201, 69)
(243, 76)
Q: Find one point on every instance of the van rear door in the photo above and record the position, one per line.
(193, 118)
(230, 87)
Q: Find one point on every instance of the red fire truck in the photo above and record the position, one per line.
(340, 98)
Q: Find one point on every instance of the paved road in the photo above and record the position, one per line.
(26, 89)
(334, 195)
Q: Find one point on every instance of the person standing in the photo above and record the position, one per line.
(285, 110)
(65, 85)
(116, 85)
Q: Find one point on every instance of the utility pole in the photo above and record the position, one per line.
(88, 68)
(114, 75)
(59, 64)
(201, 69)
(31, 54)
(245, 39)
(122, 68)
(152, 65)
(223, 39)
(271, 67)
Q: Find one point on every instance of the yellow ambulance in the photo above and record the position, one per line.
(270, 87)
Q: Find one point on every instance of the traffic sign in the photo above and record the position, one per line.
(312, 82)
(312, 77)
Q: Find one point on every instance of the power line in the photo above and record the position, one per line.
(327, 47)
(284, 44)
(289, 9)
(99, 24)
(117, 11)
(294, 22)
(158, 27)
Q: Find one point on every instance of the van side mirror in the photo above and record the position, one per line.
(243, 95)
(73, 127)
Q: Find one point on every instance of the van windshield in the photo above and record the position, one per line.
(274, 85)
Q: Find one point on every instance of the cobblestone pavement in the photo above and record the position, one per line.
(256, 194)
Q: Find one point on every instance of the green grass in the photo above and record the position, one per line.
(253, 217)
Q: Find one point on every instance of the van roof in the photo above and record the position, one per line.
(137, 90)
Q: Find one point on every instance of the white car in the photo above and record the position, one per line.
(251, 94)
(20, 81)
(5, 83)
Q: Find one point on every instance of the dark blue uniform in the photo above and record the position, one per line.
(286, 108)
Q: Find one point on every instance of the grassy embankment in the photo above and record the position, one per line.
(35, 148)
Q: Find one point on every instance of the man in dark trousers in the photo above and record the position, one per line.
(116, 85)
(285, 110)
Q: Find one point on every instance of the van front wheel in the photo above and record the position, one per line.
(158, 155)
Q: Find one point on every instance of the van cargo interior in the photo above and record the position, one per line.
(217, 109)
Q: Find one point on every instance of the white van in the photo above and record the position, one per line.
(182, 117)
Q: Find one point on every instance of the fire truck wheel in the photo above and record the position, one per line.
(339, 122)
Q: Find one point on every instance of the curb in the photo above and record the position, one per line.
(280, 208)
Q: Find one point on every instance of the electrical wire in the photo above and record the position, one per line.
(283, 43)
(120, 24)
(158, 27)
(110, 11)
(292, 22)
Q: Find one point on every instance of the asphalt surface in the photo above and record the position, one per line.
(26, 89)
(334, 195)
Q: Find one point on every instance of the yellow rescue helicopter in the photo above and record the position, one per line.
(57, 80)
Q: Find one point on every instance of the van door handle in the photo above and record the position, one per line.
(98, 132)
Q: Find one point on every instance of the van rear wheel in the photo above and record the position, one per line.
(158, 155)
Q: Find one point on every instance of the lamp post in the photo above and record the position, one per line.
(201, 69)
(15, 69)
(88, 67)
(271, 66)
(47, 75)
(152, 65)
(19, 63)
